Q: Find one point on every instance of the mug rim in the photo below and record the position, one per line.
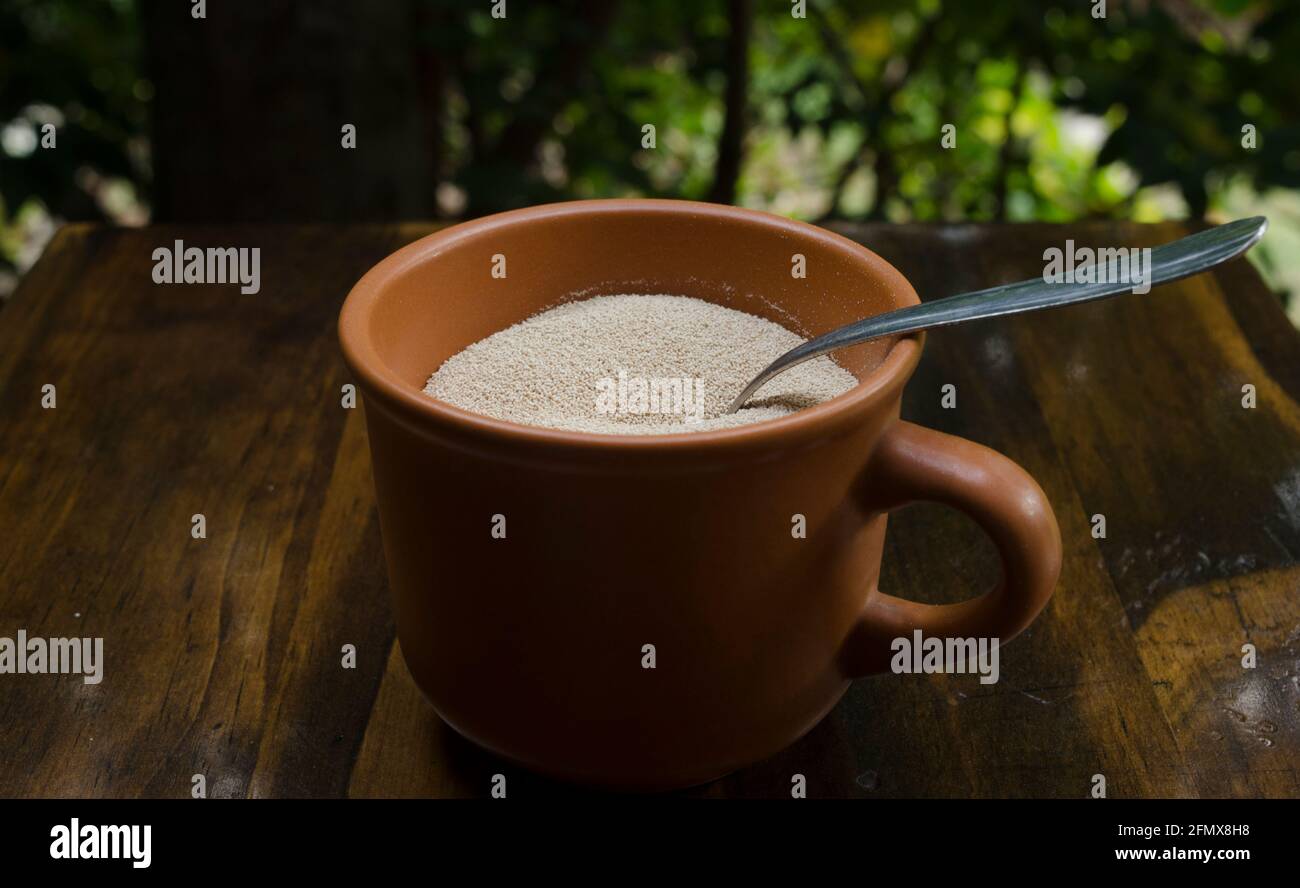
(379, 381)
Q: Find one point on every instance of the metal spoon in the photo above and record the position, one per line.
(1169, 262)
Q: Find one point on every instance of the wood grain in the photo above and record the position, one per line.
(223, 654)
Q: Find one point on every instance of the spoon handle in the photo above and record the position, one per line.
(1169, 262)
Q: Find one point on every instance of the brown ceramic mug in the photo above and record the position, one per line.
(534, 645)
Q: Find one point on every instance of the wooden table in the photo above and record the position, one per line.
(223, 654)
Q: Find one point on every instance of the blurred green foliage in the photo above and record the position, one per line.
(74, 65)
(1056, 114)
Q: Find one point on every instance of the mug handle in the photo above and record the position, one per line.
(915, 463)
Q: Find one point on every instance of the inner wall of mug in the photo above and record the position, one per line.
(450, 300)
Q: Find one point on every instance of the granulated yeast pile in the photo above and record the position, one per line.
(633, 365)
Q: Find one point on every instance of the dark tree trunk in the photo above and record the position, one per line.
(731, 144)
(564, 72)
(876, 99)
(1007, 151)
(250, 103)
